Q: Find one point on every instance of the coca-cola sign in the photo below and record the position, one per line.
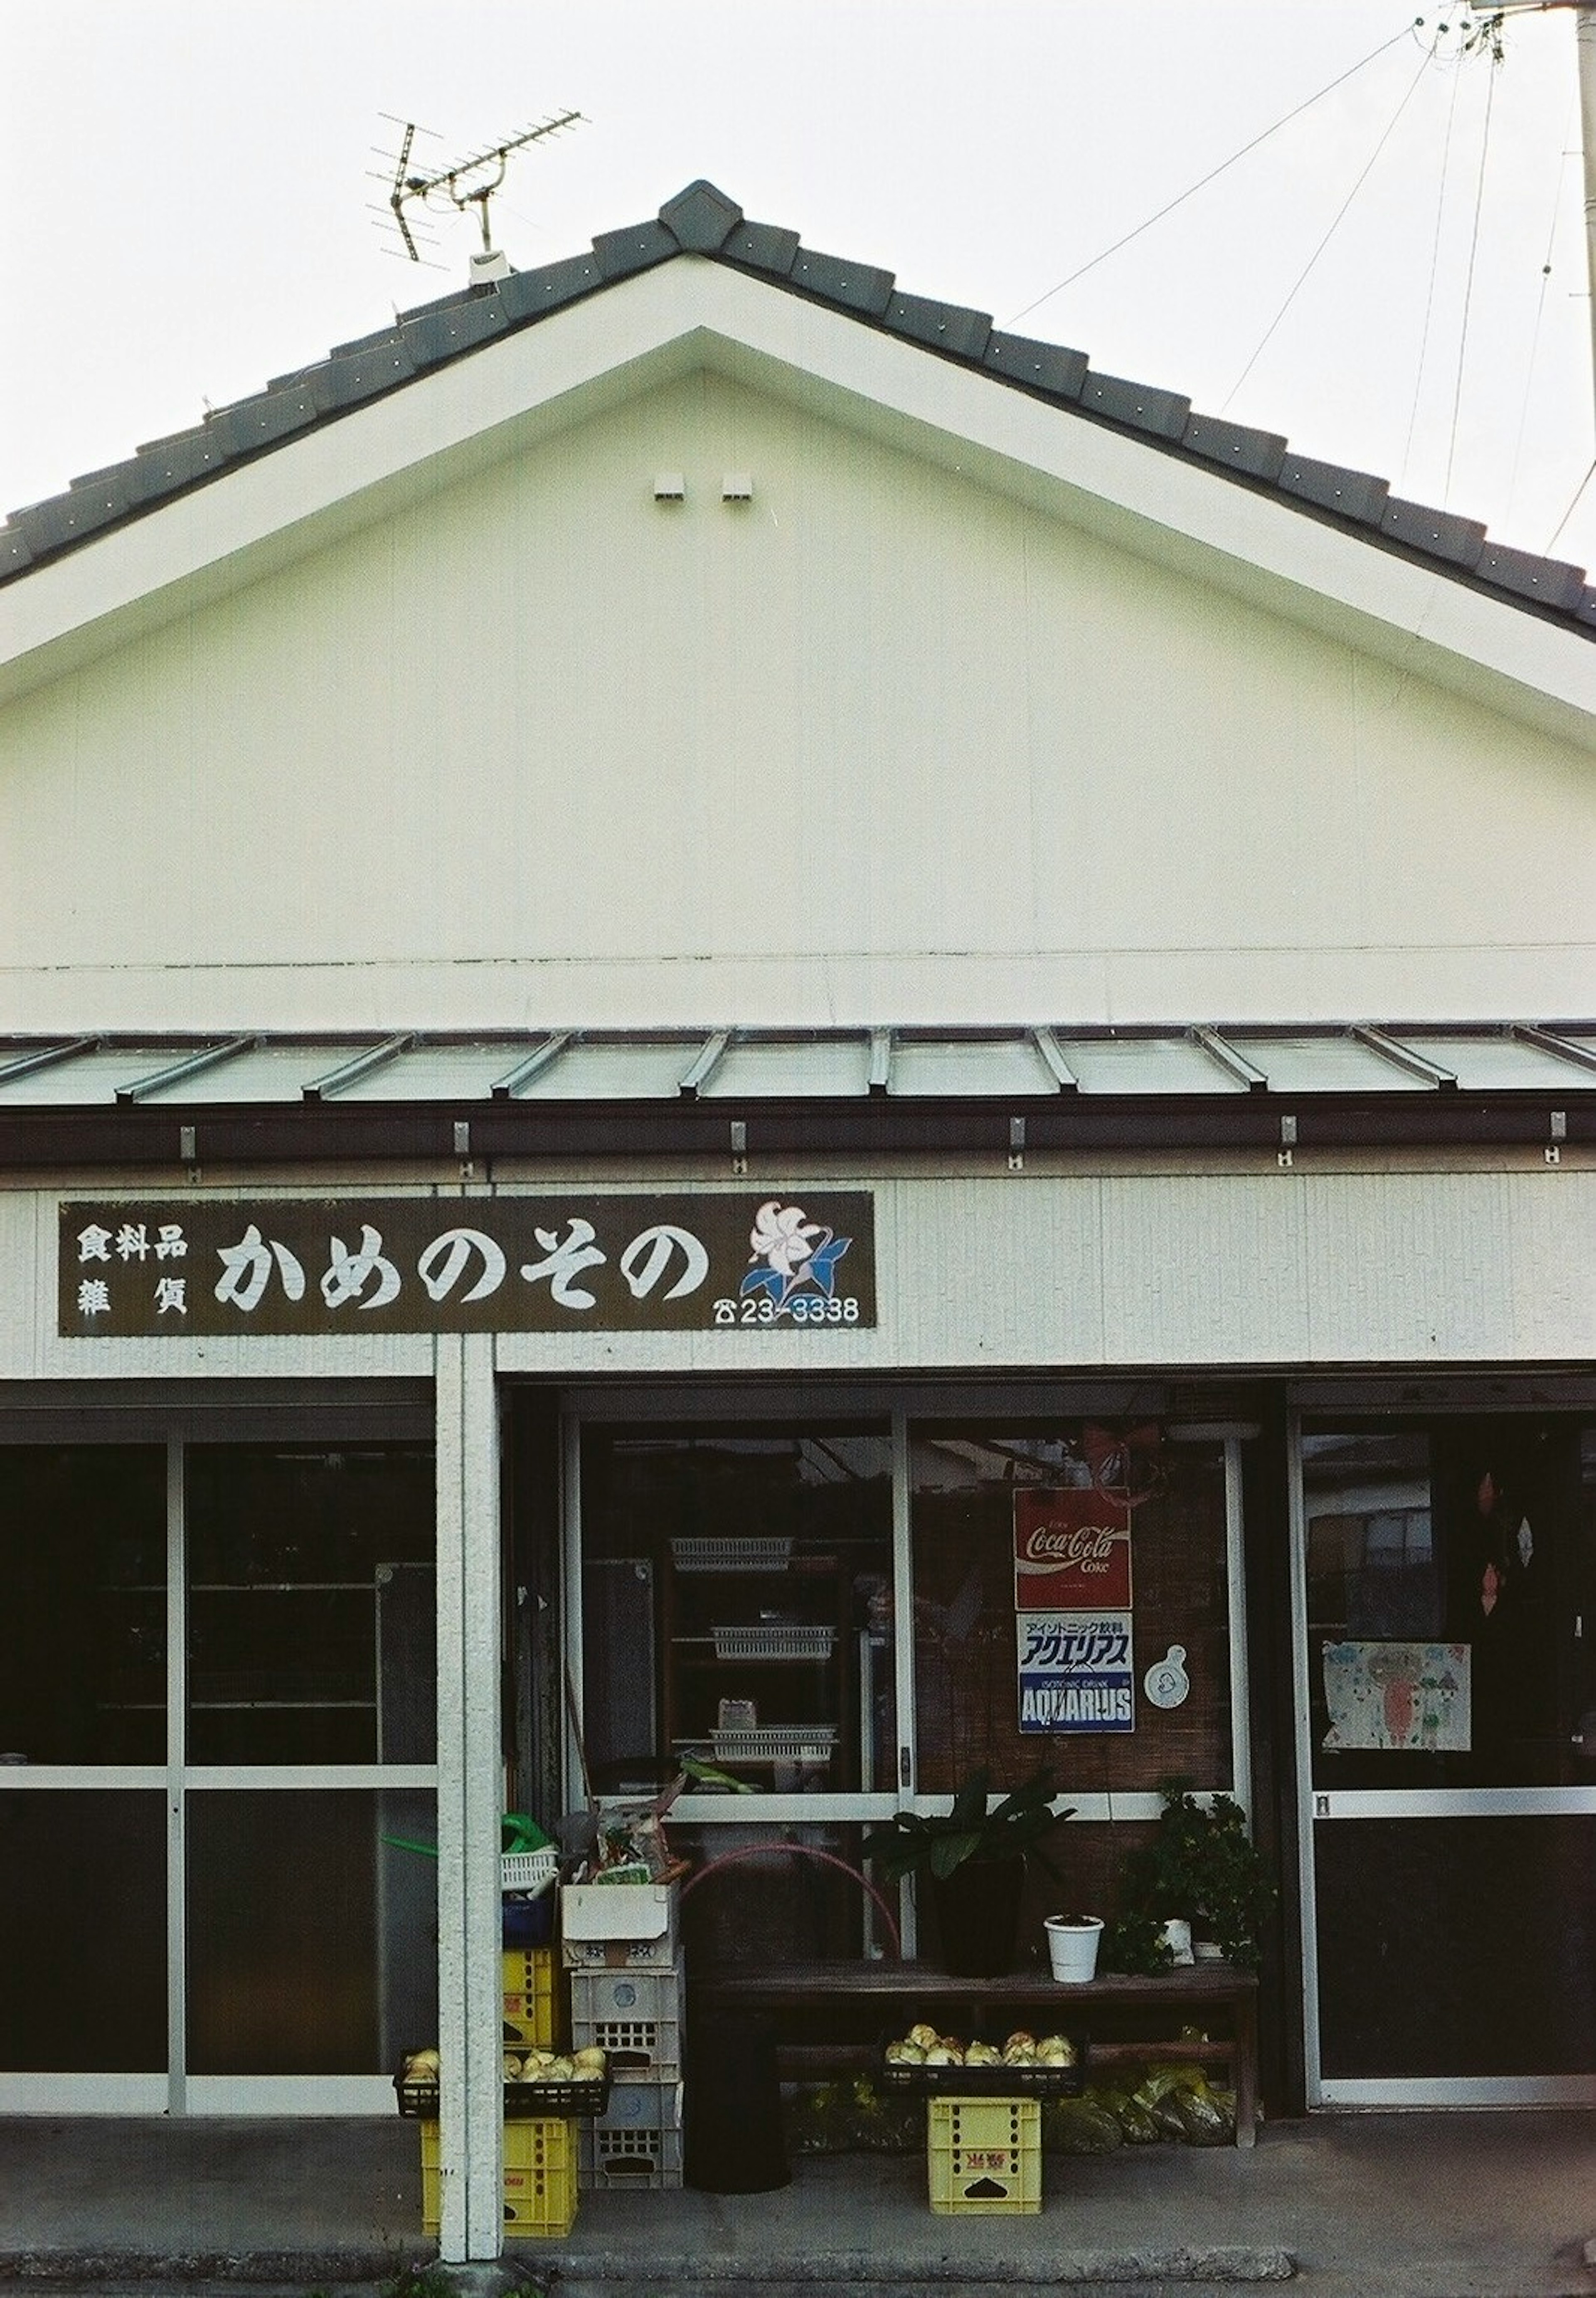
(1072, 1549)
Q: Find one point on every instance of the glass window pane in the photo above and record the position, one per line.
(974, 1488)
(83, 1603)
(736, 1589)
(311, 1606)
(1442, 1641)
(311, 1945)
(83, 1932)
(776, 1897)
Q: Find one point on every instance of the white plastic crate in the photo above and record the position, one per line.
(641, 2106)
(774, 1639)
(611, 2161)
(627, 1994)
(754, 1555)
(647, 2050)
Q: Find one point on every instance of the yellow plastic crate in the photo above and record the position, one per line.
(984, 2155)
(540, 2177)
(530, 2007)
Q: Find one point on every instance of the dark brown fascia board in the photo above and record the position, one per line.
(37, 1142)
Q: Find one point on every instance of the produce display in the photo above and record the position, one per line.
(1145, 2107)
(925, 2060)
(536, 2082)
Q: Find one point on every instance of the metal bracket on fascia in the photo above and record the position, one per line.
(141, 1088)
(740, 1145)
(374, 1057)
(880, 1060)
(1016, 1145)
(1286, 1155)
(1404, 1057)
(708, 1061)
(1236, 1065)
(1557, 1126)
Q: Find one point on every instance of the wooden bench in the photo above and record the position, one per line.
(1161, 2005)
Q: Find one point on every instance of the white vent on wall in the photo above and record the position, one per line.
(669, 486)
(737, 486)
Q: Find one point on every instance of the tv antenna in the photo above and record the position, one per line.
(468, 183)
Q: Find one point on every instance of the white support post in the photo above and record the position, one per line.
(470, 1800)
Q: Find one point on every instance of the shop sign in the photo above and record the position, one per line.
(1072, 1549)
(536, 1264)
(1075, 1671)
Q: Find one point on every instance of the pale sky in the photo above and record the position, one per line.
(187, 200)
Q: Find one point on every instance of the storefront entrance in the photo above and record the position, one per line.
(1447, 1580)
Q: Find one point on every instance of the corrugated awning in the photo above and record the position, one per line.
(263, 1096)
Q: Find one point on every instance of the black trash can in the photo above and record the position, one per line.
(733, 2141)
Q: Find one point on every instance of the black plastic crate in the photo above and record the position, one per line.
(524, 2102)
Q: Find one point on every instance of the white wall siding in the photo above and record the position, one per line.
(1036, 1271)
(883, 744)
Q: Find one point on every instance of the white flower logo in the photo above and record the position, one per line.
(783, 1238)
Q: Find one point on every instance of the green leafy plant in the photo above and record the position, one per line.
(915, 1843)
(1201, 1865)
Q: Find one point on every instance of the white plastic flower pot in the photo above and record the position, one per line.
(1072, 1947)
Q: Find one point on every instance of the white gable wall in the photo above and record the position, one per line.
(884, 744)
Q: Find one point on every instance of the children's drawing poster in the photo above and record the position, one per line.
(1406, 1697)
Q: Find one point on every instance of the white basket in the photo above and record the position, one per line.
(764, 1555)
(803, 1743)
(773, 1641)
(528, 1871)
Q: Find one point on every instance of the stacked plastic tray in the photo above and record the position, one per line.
(984, 2156)
(635, 2017)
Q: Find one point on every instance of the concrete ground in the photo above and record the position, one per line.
(1370, 2206)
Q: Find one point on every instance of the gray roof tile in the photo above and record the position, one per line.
(525, 293)
(702, 220)
(1236, 446)
(1440, 533)
(855, 287)
(637, 249)
(1355, 494)
(1051, 367)
(948, 325)
(763, 247)
(1162, 412)
(1552, 579)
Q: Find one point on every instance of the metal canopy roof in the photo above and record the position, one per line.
(267, 1096)
(701, 220)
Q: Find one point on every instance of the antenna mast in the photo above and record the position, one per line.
(464, 183)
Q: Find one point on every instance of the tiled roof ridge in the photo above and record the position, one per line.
(702, 220)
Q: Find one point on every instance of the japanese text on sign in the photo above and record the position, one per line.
(487, 1264)
(1075, 1671)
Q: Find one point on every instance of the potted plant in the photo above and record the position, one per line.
(1202, 1868)
(1073, 1945)
(974, 1861)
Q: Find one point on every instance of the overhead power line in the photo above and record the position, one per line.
(1339, 219)
(1214, 174)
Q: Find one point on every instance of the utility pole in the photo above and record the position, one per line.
(1584, 41)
